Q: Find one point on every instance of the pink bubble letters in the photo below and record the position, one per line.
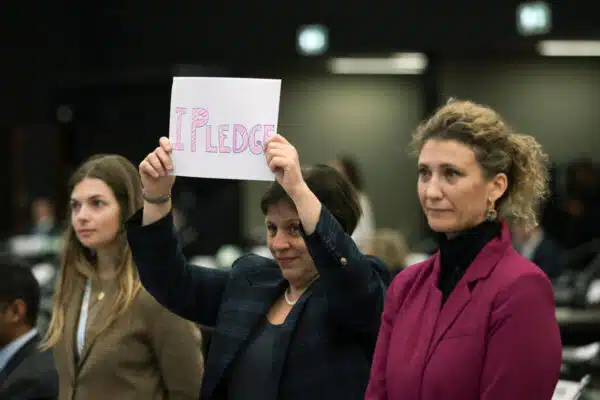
(224, 138)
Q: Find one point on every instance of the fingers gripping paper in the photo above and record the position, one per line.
(218, 126)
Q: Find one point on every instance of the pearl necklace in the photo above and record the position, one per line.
(285, 294)
(287, 300)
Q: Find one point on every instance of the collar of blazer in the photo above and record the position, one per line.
(481, 267)
(92, 331)
(487, 259)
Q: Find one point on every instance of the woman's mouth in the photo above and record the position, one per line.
(286, 260)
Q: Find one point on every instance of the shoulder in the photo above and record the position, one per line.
(251, 263)
(34, 377)
(38, 363)
(157, 317)
(515, 277)
(513, 268)
(44, 360)
(380, 268)
(410, 278)
(145, 306)
(409, 274)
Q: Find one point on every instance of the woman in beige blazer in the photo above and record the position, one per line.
(110, 338)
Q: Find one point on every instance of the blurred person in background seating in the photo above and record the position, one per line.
(26, 373)
(110, 338)
(300, 326)
(534, 244)
(44, 218)
(477, 319)
(390, 247)
(349, 167)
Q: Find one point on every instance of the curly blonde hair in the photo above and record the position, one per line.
(498, 149)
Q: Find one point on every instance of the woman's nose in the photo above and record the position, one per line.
(433, 189)
(281, 241)
(82, 213)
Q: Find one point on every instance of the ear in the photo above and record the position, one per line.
(497, 186)
(16, 311)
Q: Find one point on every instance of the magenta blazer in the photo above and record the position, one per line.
(495, 338)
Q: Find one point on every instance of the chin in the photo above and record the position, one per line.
(290, 273)
(293, 274)
(92, 244)
(442, 226)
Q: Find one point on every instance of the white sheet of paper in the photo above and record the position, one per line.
(567, 390)
(218, 126)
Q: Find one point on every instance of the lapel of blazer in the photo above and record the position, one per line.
(481, 267)
(287, 331)
(252, 300)
(70, 329)
(93, 329)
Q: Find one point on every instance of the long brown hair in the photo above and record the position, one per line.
(78, 263)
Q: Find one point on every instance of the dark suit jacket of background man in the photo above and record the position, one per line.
(29, 375)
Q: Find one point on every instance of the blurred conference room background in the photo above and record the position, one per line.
(81, 78)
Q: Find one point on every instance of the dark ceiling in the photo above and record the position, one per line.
(69, 34)
(46, 43)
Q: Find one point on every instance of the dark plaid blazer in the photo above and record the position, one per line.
(328, 339)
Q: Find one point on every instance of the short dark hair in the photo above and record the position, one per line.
(352, 171)
(18, 282)
(334, 191)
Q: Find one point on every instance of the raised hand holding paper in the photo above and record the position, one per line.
(218, 126)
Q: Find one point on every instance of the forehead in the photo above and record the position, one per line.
(91, 187)
(446, 152)
(281, 212)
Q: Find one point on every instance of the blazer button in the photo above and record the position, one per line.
(344, 261)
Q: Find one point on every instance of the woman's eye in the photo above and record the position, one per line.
(452, 173)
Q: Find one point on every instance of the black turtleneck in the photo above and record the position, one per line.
(460, 251)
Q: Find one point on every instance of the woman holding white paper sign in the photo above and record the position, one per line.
(302, 326)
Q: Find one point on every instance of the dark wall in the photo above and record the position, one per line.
(553, 100)
(128, 119)
(49, 45)
(40, 45)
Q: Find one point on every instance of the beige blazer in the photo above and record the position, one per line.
(148, 353)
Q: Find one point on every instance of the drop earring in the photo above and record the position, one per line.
(491, 214)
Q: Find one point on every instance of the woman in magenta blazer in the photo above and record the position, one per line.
(476, 320)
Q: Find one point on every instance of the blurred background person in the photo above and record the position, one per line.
(43, 218)
(350, 168)
(536, 245)
(26, 373)
(390, 247)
